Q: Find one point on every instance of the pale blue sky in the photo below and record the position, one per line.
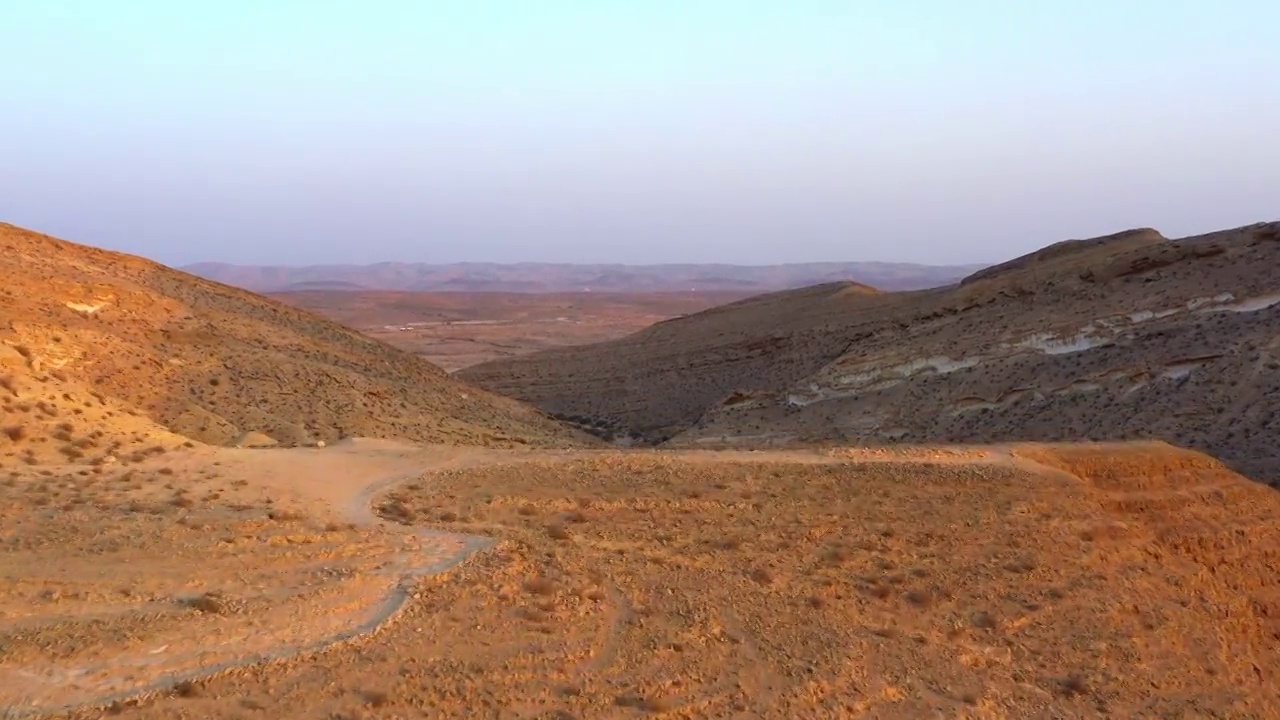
(639, 131)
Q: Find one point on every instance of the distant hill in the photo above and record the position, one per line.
(101, 351)
(318, 285)
(555, 277)
(1127, 336)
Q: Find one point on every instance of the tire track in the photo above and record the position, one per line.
(360, 511)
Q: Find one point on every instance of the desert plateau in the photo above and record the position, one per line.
(1039, 491)
(454, 330)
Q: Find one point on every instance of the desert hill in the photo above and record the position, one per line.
(107, 353)
(657, 382)
(563, 277)
(1132, 335)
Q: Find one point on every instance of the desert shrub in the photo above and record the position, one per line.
(540, 586)
(209, 603)
(1072, 685)
(186, 689)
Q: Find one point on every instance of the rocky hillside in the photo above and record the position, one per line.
(99, 342)
(655, 383)
(1127, 336)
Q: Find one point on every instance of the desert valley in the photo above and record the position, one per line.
(1040, 489)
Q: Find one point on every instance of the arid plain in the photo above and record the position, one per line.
(455, 330)
(216, 505)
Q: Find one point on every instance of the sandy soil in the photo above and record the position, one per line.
(120, 580)
(1027, 581)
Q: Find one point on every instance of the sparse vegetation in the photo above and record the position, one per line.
(540, 586)
(186, 689)
(883, 581)
(210, 603)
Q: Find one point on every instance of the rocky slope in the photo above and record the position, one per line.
(1127, 336)
(103, 352)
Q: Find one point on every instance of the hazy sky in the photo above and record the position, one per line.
(296, 131)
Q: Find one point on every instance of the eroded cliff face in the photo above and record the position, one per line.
(1178, 340)
(1130, 335)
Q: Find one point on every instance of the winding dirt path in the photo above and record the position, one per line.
(344, 482)
(340, 483)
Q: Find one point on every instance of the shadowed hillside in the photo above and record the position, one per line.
(1127, 336)
(91, 338)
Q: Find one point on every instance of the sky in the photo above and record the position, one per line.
(937, 131)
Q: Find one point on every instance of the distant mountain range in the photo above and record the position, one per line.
(563, 277)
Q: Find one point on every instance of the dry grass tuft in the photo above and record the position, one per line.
(919, 598)
(1072, 685)
(646, 704)
(397, 510)
(186, 689)
(533, 615)
(984, 620)
(210, 603)
(727, 543)
(575, 517)
(835, 555)
(879, 591)
(540, 586)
